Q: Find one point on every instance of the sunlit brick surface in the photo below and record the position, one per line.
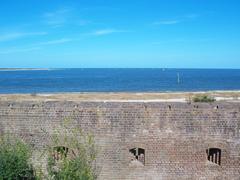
(175, 136)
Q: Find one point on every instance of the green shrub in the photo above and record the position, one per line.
(77, 154)
(14, 159)
(203, 98)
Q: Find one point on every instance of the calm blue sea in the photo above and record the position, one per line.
(118, 80)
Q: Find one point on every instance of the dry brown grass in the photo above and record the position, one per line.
(115, 96)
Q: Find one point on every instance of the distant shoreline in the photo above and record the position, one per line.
(163, 69)
(25, 69)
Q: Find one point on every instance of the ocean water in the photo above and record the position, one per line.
(118, 80)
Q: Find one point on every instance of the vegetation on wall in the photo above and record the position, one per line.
(15, 159)
(203, 98)
(72, 155)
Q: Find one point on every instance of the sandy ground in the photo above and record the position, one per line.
(122, 97)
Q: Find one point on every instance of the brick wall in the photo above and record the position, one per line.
(175, 136)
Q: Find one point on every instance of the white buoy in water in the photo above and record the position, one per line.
(178, 78)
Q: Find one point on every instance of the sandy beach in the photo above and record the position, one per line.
(123, 97)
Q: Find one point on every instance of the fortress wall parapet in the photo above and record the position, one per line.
(176, 137)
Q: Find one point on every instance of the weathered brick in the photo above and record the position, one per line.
(175, 136)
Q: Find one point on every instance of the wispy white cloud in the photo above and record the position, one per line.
(18, 35)
(82, 22)
(167, 22)
(62, 17)
(103, 32)
(19, 50)
(58, 41)
(178, 20)
(34, 47)
(191, 16)
(58, 17)
(181, 40)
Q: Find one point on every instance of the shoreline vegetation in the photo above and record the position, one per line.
(123, 96)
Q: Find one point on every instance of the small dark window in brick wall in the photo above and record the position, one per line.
(214, 155)
(60, 152)
(139, 154)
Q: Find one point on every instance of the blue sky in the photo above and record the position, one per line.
(120, 33)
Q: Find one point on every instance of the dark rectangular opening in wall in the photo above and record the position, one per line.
(139, 154)
(214, 155)
(60, 152)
